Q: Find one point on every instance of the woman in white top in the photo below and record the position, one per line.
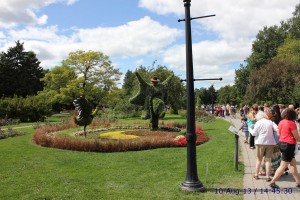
(264, 140)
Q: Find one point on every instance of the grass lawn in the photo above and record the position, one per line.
(28, 171)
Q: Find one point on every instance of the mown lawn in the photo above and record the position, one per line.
(28, 171)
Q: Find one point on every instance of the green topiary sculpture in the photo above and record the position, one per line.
(85, 115)
(151, 96)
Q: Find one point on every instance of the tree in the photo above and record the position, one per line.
(294, 23)
(264, 48)
(20, 72)
(204, 95)
(274, 82)
(128, 83)
(241, 80)
(213, 94)
(227, 94)
(275, 48)
(62, 84)
(94, 68)
(290, 51)
(59, 77)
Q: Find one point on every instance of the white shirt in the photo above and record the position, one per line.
(263, 130)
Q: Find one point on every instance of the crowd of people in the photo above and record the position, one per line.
(222, 110)
(274, 132)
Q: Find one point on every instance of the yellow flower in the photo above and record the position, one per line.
(118, 135)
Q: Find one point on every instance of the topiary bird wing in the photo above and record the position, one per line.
(84, 108)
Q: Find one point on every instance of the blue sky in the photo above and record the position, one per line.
(138, 32)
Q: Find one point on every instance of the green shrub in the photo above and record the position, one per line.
(9, 133)
(203, 116)
(5, 121)
(182, 113)
(31, 108)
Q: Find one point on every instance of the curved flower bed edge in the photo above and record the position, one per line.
(46, 137)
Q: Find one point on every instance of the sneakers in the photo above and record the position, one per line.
(274, 186)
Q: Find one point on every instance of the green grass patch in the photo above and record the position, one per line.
(57, 117)
(29, 171)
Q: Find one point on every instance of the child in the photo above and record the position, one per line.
(244, 128)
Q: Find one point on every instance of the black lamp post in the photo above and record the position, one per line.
(191, 183)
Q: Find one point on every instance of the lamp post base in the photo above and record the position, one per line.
(192, 186)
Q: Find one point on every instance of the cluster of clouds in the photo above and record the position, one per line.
(234, 28)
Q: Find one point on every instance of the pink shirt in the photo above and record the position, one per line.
(285, 128)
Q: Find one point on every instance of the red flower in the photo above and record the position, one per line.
(180, 141)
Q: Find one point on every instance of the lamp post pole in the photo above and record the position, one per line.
(191, 183)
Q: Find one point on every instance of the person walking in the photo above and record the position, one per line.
(251, 121)
(288, 137)
(244, 128)
(264, 141)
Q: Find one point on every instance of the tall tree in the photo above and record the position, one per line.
(204, 95)
(294, 23)
(264, 48)
(290, 51)
(94, 68)
(213, 94)
(241, 80)
(59, 77)
(274, 82)
(227, 94)
(20, 72)
(128, 83)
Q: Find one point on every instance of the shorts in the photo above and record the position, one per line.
(264, 151)
(287, 151)
(246, 134)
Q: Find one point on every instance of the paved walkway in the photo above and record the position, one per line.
(260, 189)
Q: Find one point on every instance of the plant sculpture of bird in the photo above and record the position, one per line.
(85, 115)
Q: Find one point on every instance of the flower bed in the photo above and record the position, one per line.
(114, 140)
(201, 138)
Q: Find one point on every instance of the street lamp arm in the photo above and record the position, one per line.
(205, 79)
(180, 20)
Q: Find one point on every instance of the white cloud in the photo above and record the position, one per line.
(14, 12)
(162, 6)
(211, 59)
(135, 38)
(234, 19)
(209, 53)
(236, 24)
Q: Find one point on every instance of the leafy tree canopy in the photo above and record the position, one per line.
(20, 72)
(274, 82)
(95, 68)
